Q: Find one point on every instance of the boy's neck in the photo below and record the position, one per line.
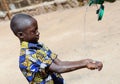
(28, 42)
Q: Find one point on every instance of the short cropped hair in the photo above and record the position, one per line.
(18, 22)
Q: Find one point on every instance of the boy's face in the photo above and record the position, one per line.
(30, 33)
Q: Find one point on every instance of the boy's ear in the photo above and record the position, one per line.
(20, 35)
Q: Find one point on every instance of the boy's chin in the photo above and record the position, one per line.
(34, 41)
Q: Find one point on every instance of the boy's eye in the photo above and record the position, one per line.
(34, 32)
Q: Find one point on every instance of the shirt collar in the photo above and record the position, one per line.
(28, 45)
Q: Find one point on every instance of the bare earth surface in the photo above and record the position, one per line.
(64, 32)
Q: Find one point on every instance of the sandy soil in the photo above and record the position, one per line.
(65, 33)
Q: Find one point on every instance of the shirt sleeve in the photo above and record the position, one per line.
(46, 55)
(40, 59)
(37, 60)
(31, 65)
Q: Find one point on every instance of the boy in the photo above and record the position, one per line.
(37, 62)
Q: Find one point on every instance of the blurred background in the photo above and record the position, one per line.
(68, 32)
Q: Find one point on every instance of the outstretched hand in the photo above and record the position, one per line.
(92, 65)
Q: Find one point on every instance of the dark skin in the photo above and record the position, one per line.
(31, 34)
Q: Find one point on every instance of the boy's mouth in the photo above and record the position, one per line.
(37, 37)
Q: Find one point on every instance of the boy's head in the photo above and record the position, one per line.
(25, 27)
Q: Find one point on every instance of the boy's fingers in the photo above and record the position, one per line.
(99, 68)
(100, 65)
(92, 66)
(96, 65)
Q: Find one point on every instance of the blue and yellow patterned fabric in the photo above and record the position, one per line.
(34, 61)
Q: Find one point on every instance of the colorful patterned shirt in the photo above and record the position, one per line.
(34, 61)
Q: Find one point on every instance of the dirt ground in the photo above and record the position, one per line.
(73, 37)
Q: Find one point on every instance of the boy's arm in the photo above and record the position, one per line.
(59, 66)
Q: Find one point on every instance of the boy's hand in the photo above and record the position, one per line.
(92, 65)
(99, 64)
